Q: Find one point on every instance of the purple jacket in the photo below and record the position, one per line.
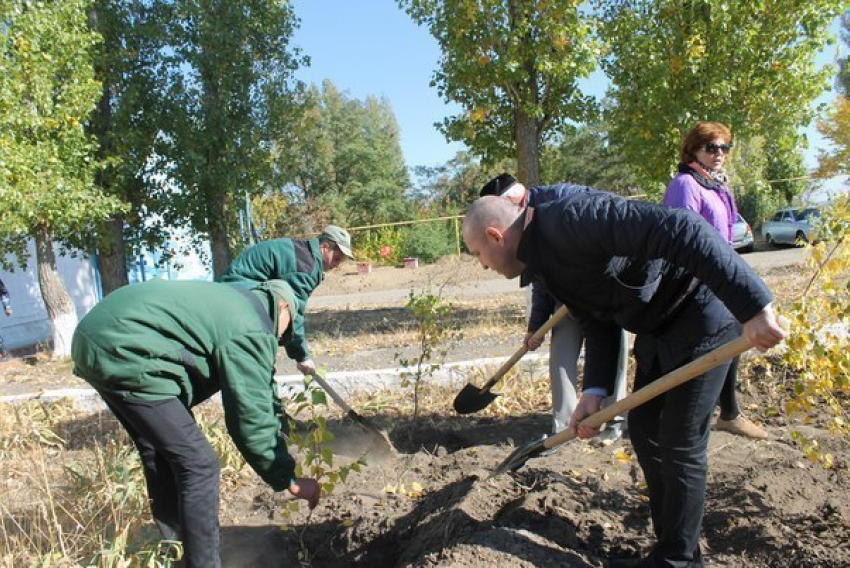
(716, 207)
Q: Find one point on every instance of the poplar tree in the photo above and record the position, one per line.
(750, 65)
(513, 66)
(47, 165)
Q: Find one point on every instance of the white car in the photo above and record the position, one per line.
(791, 226)
(742, 235)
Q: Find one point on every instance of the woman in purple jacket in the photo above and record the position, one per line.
(702, 186)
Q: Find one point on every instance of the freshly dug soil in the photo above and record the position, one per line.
(767, 505)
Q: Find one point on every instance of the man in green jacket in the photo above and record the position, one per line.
(299, 263)
(155, 350)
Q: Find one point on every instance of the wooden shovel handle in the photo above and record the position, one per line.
(544, 329)
(661, 385)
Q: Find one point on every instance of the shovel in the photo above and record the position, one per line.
(374, 433)
(661, 385)
(472, 399)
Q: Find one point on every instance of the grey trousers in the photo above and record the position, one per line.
(564, 349)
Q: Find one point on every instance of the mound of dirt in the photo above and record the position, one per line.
(767, 506)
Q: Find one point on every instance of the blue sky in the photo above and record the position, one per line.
(371, 47)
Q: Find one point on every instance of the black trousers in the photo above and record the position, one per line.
(181, 470)
(670, 432)
(728, 401)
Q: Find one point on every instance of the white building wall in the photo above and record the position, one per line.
(29, 324)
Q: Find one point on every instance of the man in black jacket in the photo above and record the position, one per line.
(663, 274)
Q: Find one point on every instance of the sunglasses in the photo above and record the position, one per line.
(716, 148)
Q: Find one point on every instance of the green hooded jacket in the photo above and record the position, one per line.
(189, 340)
(296, 262)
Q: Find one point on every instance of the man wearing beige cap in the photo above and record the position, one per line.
(299, 263)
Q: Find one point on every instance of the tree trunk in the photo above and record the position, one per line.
(60, 308)
(219, 242)
(112, 255)
(111, 250)
(528, 149)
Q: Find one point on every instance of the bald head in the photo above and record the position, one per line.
(492, 229)
(490, 211)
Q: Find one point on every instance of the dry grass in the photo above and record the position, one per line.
(71, 486)
(373, 327)
(73, 493)
(521, 391)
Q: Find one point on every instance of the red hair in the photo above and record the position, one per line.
(700, 135)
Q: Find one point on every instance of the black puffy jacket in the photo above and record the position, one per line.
(620, 263)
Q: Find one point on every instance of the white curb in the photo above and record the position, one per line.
(345, 383)
(454, 374)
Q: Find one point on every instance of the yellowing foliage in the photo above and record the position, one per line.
(817, 352)
(478, 114)
(836, 128)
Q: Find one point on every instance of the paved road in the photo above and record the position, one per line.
(762, 261)
(400, 296)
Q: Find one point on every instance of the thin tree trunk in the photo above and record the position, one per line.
(112, 255)
(111, 249)
(219, 243)
(60, 307)
(528, 149)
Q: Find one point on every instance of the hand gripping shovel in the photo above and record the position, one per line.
(472, 399)
(661, 385)
(374, 433)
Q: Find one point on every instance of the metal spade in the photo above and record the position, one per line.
(379, 437)
(472, 399)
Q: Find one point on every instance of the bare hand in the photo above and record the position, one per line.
(531, 343)
(589, 404)
(307, 367)
(764, 331)
(307, 489)
(8, 312)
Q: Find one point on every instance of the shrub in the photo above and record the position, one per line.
(757, 205)
(379, 245)
(428, 241)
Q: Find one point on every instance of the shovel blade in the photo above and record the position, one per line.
(472, 399)
(378, 438)
(519, 456)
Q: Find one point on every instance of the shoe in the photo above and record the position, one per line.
(614, 430)
(611, 433)
(646, 562)
(628, 563)
(741, 426)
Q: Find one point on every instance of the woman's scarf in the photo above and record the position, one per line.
(705, 176)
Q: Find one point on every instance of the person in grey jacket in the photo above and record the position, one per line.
(663, 274)
(566, 338)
